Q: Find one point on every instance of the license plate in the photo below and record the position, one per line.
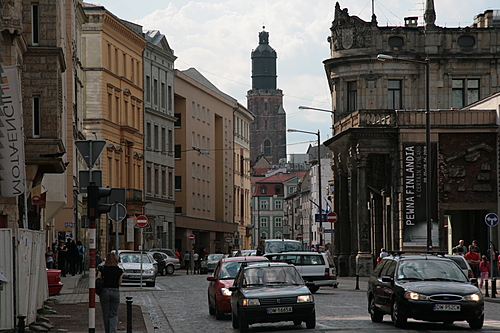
(284, 309)
(446, 307)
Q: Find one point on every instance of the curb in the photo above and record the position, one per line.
(147, 320)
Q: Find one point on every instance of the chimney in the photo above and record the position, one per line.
(411, 22)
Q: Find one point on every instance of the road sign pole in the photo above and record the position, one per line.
(92, 267)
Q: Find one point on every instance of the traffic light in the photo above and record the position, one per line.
(94, 195)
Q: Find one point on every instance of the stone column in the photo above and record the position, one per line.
(364, 261)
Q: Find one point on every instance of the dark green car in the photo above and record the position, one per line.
(271, 292)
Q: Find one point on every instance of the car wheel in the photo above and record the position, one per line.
(297, 322)
(219, 315)
(313, 289)
(311, 320)
(170, 269)
(234, 319)
(211, 309)
(375, 314)
(398, 318)
(476, 324)
(243, 323)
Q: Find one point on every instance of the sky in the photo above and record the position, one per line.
(217, 37)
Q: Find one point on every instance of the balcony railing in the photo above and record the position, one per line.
(415, 118)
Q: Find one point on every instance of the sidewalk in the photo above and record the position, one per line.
(72, 309)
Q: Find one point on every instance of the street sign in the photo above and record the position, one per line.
(191, 237)
(491, 219)
(118, 212)
(229, 239)
(90, 150)
(316, 217)
(141, 221)
(299, 236)
(329, 231)
(332, 217)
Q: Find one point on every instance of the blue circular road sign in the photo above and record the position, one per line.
(491, 219)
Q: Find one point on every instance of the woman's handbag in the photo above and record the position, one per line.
(99, 285)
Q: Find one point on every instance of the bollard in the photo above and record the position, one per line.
(494, 287)
(357, 281)
(486, 294)
(20, 324)
(129, 313)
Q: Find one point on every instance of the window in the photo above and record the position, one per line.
(148, 135)
(157, 182)
(35, 24)
(394, 94)
(149, 181)
(193, 109)
(163, 183)
(264, 204)
(267, 148)
(156, 137)
(169, 98)
(263, 222)
(178, 183)
(155, 92)
(278, 221)
(177, 151)
(464, 92)
(277, 189)
(178, 121)
(147, 91)
(263, 189)
(163, 139)
(278, 205)
(36, 117)
(170, 192)
(293, 189)
(352, 95)
(162, 92)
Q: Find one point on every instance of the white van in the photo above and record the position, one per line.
(278, 245)
(317, 267)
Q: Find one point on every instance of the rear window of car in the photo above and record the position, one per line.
(459, 261)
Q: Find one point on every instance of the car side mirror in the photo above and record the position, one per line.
(387, 279)
(211, 278)
(233, 288)
(473, 281)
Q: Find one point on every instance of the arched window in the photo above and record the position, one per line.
(263, 189)
(277, 189)
(267, 148)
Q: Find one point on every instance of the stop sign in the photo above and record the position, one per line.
(191, 237)
(331, 217)
(141, 221)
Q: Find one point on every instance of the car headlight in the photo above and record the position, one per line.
(416, 296)
(304, 298)
(473, 297)
(250, 301)
(149, 271)
(225, 292)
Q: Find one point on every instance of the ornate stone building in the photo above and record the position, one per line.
(379, 142)
(265, 101)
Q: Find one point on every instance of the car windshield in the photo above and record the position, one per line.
(282, 246)
(214, 257)
(230, 269)
(430, 270)
(134, 258)
(271, 276)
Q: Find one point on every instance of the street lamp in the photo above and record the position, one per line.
(319, 183)
(301, 107)
(384, 57)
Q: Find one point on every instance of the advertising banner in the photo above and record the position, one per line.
(12, 168)
(414, 194)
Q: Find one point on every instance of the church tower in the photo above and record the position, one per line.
(268, 130)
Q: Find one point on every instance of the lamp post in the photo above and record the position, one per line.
(384, 57)
(319, 182)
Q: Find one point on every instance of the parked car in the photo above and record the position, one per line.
(316, 267)
(278, 245)
(244, 253)
(270, 292)
(462, 262)
(54, 281)
(166, 263)
(130, 262)
(423, 287)
(219, 296)
(209, 262)
(168, 252)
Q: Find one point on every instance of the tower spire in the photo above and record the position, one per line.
(430, 14)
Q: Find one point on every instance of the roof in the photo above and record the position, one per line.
(245, 258)
(198, 77)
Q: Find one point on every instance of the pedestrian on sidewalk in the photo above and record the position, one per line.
(110, 295)
(473, 259)
(484, 270)
(62, 256)
(49, 258)
(187, 258)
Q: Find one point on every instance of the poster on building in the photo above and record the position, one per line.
(12, 168)
(414, 194)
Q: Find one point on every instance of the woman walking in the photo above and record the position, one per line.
(110, 295)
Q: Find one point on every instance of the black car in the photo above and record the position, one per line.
(270, 292)
(423, 287)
